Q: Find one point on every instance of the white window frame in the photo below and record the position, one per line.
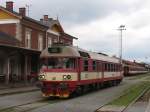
(55, 40)
(49, 44)
(40, 42)
(28, 38)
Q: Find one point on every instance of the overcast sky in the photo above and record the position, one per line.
(95, 22)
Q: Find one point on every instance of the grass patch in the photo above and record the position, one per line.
(8, 110)
(131, 94)
(139, 76)
(147, 78)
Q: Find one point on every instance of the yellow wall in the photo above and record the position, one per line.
(4, 15)
(55, 28)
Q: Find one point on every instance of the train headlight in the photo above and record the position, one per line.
(41, 77)
(66, 77)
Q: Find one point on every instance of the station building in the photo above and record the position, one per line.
(21, 41)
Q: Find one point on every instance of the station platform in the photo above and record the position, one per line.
(148, 107)
(16, 88)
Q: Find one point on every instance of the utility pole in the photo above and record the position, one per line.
(121, 28)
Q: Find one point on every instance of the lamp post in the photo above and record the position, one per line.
(121, 28)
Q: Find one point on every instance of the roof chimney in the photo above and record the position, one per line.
(22, 11)
(45, 17)
(9, 5)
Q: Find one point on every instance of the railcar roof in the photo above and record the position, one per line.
(71, 51)
(67, 51)
(97, 56)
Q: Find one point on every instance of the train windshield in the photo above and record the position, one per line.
(59, 63)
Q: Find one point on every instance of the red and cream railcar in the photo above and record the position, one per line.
(130, 70)
(66, 70)
(133, 68)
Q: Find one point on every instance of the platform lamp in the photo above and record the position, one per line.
(121, 28)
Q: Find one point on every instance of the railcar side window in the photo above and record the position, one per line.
(94, 65)
(109, 67)
(114, 67)
(105, 66)
(117, 68)
(85, 65)
(99, 66)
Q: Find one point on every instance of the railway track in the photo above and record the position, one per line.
(141, 100)
(30, 106)
(36, 106)
(140, 103)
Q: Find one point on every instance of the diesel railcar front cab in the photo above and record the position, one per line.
(59, 71)
(67, 69)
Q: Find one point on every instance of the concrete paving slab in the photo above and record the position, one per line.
(111, 108)
(148, 107)
(9, 91)
(137, 107)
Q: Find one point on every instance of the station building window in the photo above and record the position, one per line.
(40, 42)
(49, 42)
(28, 38)
(55, 40)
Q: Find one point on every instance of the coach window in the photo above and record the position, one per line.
(114, 65)
(85, 65)
(99, 66)
(117, 67)
(109, 67)
(94, 65)
(105, 66)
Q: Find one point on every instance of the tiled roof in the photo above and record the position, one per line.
(51, 22)
(25, 17)
(67, 35)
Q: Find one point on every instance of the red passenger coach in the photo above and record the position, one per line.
(66, 70)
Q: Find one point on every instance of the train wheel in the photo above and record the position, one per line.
(119, 81)
(101, 85)
(97, 86)
(110, 83)
(79, 90)
(92, 87)
(114, 83)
